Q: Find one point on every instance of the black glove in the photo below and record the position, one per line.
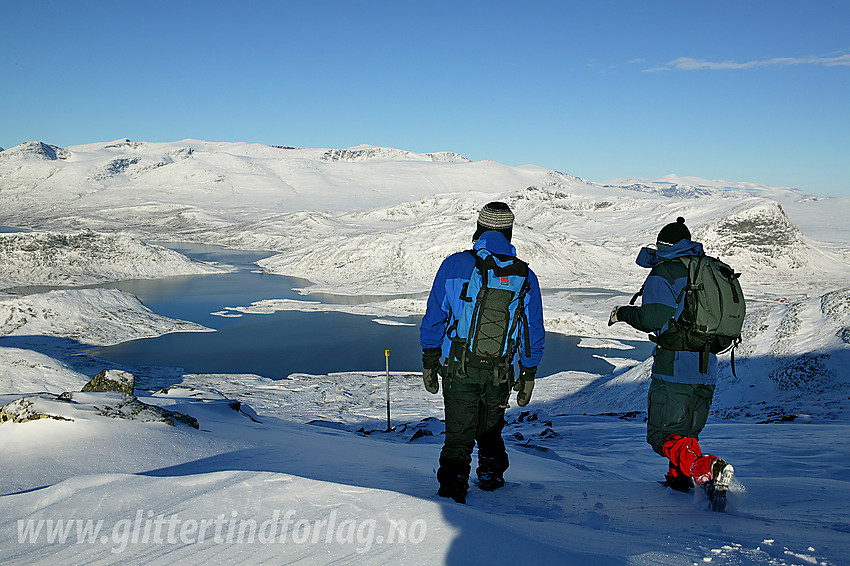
(524, 385)
(613, 318)
(431, 368)
(431, 357)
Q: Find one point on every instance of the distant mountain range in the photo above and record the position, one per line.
(380, 219)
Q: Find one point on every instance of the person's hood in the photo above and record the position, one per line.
(650, 257)
(495, 242)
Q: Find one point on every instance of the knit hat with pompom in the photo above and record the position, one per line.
(673, 233)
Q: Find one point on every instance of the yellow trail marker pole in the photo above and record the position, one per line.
(387, 354)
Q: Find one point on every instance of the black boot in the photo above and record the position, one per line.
(678, 483)
(715, 488)
(490, 472)
(677, 480)
(454, 480)
(454, 488)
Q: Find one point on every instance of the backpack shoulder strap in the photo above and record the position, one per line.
(665, 263)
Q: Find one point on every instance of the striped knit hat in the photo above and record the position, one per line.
(495, 216)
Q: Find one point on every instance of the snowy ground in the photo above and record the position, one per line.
(581, 489)
(304, 471)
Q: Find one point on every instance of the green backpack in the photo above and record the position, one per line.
(713, 313)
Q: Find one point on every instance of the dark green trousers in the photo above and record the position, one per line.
(676, 409)
(475, 402)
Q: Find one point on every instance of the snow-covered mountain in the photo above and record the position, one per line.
(569, 238)
(674, 186)
(373, 153)
(190, 185)
(379, 219)
(368, 220)
(826, 222)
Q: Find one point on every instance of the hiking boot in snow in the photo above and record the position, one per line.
(678, 483)
(455, 488)
(715, 488)
(716, 497)
(490, 472)
(490, 481)
(721, 473)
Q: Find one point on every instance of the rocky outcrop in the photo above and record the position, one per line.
(761, 240)
(108, 394)
(362, 153)
(123, 406)
(112, 380)
(24, 410)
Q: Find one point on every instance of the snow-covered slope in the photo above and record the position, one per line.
(49, 258)
(89, 316)
(23, 370)
(99, 486)
(570, 238)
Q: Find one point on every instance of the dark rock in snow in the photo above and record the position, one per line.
(112, 380)
(23, 410)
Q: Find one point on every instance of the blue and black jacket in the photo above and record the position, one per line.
(661, 290)
(444, 301)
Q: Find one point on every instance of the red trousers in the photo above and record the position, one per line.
(687, 458)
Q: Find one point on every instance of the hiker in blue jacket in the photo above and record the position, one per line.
(476, 391)
(680, 394)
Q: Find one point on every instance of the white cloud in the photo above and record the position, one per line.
(691, 64)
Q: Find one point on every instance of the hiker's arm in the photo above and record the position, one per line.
(536, 332)
(433, 327)
(657, 307)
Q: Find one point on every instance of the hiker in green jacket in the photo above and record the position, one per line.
(680, 394)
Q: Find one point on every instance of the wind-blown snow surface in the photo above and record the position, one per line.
(580, 490)
(372, 220)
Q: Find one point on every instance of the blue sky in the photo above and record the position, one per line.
(743, 91)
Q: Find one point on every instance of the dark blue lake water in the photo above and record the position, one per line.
(277, 345)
